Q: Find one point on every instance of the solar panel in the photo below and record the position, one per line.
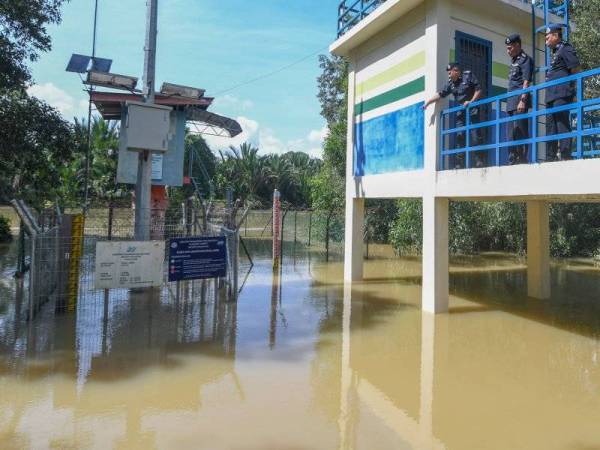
(78, 63)
(101, 65)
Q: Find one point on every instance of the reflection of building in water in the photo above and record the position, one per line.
(122, 332)
(117, 337)
(393, 384)
(416, 380)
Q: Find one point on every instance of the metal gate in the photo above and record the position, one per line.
(475, 54)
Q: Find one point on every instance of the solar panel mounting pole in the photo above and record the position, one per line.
(144, 180)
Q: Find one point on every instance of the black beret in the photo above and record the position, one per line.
(453, 65)
(554, 28)
(513, 38)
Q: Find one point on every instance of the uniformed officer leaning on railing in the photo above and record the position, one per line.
(520, 77)
(466, 89)
(564, 63)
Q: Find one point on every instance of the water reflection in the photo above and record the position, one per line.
(304, 361)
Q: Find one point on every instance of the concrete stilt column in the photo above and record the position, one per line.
(435, 255)
(538, 249)
(353, 255)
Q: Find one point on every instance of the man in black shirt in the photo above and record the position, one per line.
(564, 63)
(520, 77)
(465, 88)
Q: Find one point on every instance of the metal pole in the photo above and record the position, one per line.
(309, 228)
(144, 180)
(89, 120)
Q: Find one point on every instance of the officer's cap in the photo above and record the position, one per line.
(512, 39)
(453, 65)
(554, 28)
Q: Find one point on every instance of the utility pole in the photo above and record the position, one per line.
(143, 186)
(89, 120)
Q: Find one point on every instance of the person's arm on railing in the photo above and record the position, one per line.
(436, 98)
(476, 96)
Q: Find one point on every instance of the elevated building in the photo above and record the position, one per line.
(398, 52)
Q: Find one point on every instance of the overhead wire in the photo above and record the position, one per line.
(270, 74)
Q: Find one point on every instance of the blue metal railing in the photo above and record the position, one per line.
(585, 112)
(351, 12)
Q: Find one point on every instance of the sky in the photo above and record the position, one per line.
(218, 45)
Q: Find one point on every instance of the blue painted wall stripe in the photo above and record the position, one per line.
(393, 142)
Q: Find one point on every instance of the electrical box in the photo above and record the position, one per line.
(147, 127)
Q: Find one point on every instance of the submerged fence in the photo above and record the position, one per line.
(58, 251)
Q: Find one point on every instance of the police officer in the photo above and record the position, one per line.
(564, 63)
(520, 77)
(466, 89)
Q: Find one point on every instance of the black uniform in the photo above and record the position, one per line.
(521, 70)
(564, 60)
(463, 90)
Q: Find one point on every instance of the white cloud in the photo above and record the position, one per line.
(268, 142)
(232, 102)
(318, 136)
(250, 130)
(59, 99)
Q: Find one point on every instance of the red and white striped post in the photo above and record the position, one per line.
(276, 229)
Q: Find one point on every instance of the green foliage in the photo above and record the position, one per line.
(204, 166)
(23, 36)
(320, 223)
(5, 234)
(377, 219)
(333, 88)
(328, 191)
(35, 142)
(575, 229)
(406, 233)
(254, 177)
(35, 145)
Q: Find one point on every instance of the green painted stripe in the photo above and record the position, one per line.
(401, 69)
(394, 95)
(500, 70)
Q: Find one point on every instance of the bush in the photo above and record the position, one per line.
(406, 233)
(5, 234)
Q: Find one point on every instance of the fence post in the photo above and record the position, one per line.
(309, 227)
(236, 262)
(110, 221)
(327, 237)
(295, 226)
(276, 229)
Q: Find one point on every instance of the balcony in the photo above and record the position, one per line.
(486, 141)
(351, 12)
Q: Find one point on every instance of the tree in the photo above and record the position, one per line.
(35, 144)
(23, 36)
(333, 88)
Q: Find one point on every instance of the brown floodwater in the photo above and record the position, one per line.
(303, 362)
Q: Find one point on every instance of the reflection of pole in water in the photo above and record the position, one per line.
(274, 300)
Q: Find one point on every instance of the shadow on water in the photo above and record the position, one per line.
(574, 305)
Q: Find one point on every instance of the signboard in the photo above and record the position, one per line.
(197, 258)
(123, 265)
(157, 166)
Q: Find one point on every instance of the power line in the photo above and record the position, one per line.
(270, 74)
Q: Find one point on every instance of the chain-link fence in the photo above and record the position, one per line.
(310, 229)
(57, 260)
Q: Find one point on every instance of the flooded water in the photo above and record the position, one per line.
(304, 362)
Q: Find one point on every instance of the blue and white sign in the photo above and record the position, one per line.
(197, 258)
